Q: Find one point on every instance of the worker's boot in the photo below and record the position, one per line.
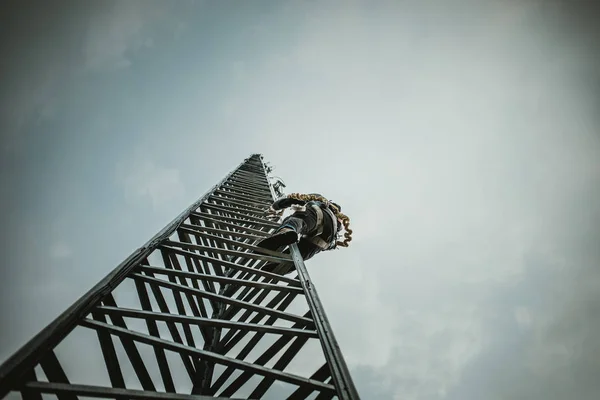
(285, 236)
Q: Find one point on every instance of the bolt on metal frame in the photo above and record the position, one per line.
(201, 303)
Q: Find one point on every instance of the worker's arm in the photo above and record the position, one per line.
(285, 202)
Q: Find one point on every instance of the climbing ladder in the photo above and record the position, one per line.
(190, 315)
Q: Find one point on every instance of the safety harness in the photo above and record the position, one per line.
(337, 214)
(315, 236)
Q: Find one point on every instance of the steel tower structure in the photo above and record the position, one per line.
(190, 315)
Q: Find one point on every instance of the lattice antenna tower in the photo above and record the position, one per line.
(190, 315)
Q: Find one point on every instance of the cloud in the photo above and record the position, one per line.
(459, 139)
(441, 131)
(543, 333)
(523, 317)
(49, 46)
(429, 350)
(125, 28)
(113, 36)
(40, 49)
(238, 69)
(143, 180)
(60, 250)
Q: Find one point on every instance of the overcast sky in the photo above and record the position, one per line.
(461, 137)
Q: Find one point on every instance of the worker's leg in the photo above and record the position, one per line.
(307, 249)
(302, 221)
(292, 222)
(296, 224)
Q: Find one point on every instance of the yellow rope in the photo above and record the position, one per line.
(344, 218)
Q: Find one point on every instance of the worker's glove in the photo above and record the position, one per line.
(269, 210)
(271, 213)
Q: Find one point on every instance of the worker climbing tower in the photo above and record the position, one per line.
(190, 315)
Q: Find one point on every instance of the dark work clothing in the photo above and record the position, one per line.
(302, 221)
(286, 202)
(316, 224)
(305, 223)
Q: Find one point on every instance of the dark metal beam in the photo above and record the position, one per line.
(111, 361)
(321, 375)
(27, 394)
(162, 305)
(280, 257)
(232, 338)
(264, 224)
(239, 245)
(234, 266)
(217, 358)
(55, 373)
(339, 370)
(211, 218)
(221, 279)
(199, 230)
(248, 348)
(160, 355)
(280, 365)
(26, 358)
(240, 197)
(110, 393)
(133, 353)
(232, 200)
(221, 282)
(248, 216)
(224, 299)
(262, 360)
(157, 316)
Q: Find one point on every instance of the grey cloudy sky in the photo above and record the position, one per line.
(461, 137)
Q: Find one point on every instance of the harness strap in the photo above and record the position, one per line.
(334, 226)
(319, 212)
(316, 238)
(333, 220)
(319, 242)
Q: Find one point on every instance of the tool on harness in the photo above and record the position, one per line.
(334, 208)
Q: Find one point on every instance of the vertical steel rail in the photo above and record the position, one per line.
(339, 370)
(333, 355)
